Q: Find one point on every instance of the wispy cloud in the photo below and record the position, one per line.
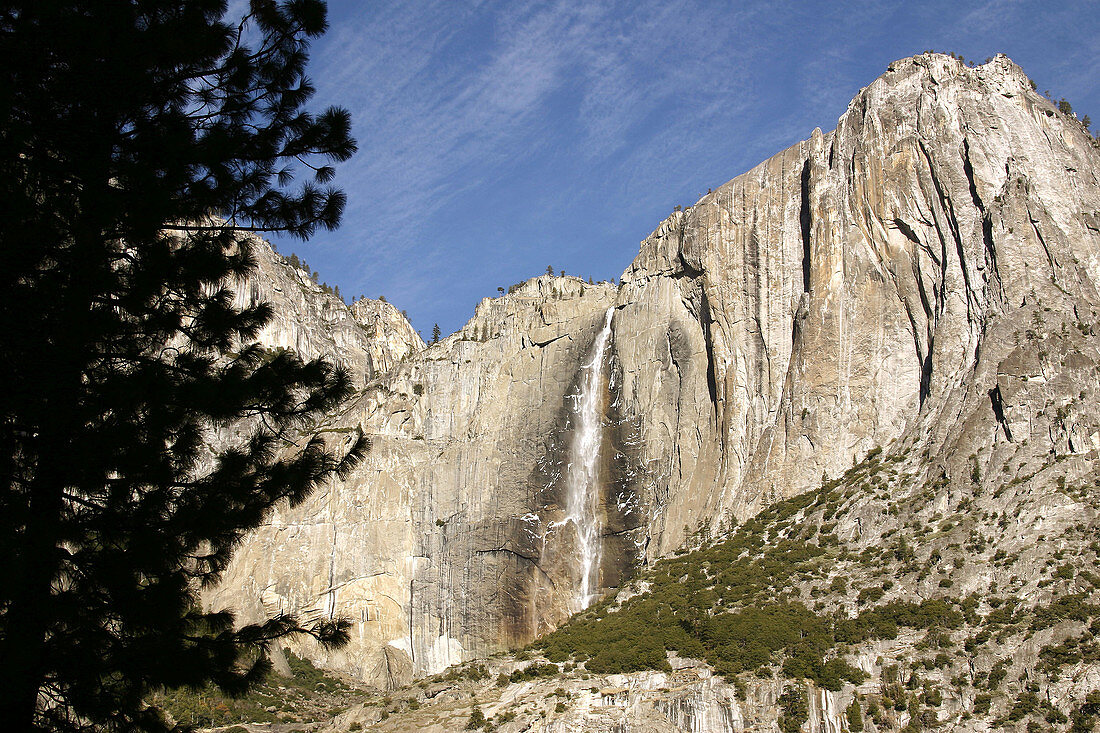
(493, 133)
(447, 99)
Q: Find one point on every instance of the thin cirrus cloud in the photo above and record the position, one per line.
(435, 114)
(449, 107)
(497, 137)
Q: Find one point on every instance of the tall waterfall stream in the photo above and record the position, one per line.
(582, 473)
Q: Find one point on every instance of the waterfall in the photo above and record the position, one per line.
(582, 474)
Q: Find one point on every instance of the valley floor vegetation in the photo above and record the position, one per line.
(308, 694)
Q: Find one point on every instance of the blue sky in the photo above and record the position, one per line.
(496, 138)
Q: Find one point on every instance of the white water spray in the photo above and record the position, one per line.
(582, 474)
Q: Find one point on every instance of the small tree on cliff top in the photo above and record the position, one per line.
(138, 139)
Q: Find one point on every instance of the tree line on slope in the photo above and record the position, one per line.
(740, 604)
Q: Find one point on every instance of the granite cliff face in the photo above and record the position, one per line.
(859, 287)
(441, 545)
(924, 278)
(368, 338)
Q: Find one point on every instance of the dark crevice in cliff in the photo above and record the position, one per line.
(686, 269)
(491, 550)
(919, 327)
(999, 410)
(926, 376)
(952, 222)
(907, 231)
(534, 561)
(672, 357)
(806, 221)
(991, 252)
(925, 387)
(797, 324)
(922, 291)
(712, 379)
(968, 169)
(1043, 243)
(551, 340)
(987, 221)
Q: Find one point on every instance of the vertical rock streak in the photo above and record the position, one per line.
(582, 474)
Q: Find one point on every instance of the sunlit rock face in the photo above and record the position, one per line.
(925, 274)
(368, 338)
(861, 286)
(453, 538)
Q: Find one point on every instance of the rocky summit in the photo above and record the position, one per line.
(858, 382)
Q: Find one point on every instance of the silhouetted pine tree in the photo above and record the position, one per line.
(131, 132)
(436, 333)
